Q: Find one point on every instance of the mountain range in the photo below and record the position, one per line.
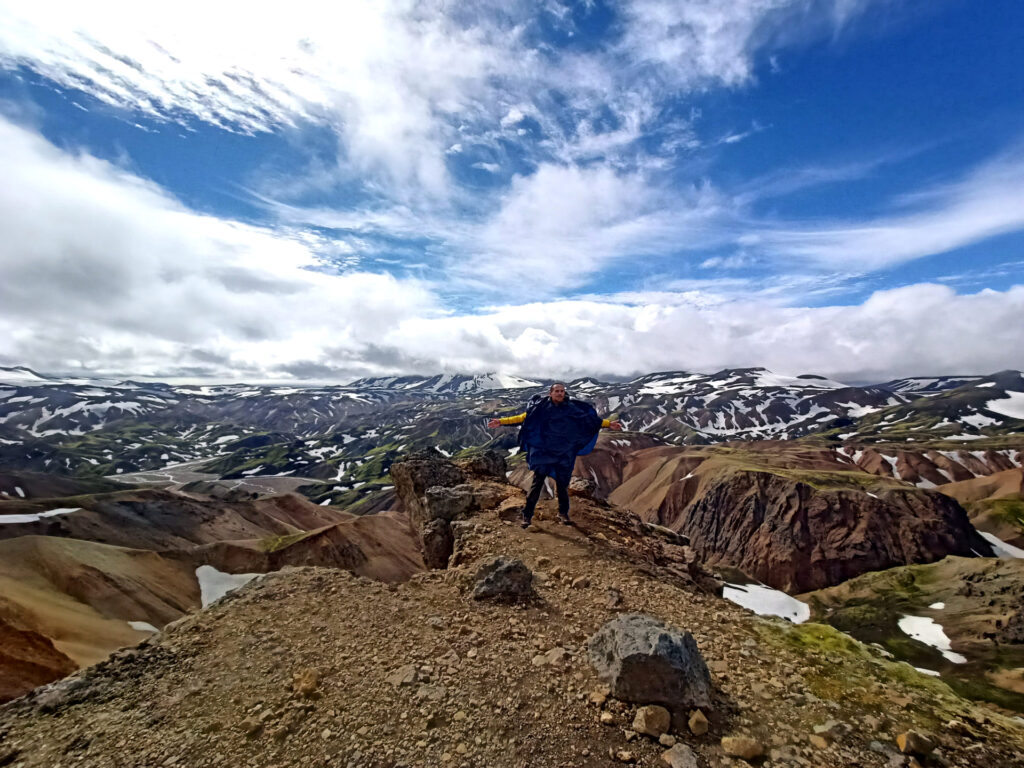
(125, 505)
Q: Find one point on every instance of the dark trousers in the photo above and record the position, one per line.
(561, 490)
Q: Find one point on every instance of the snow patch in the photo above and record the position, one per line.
(214, 584)
(765, 601)
(1003, 550)
(924, 671)
(142, 626)
(929, 632)
(17, 490)
(937, 606)
(35, 517)
(1012, 405)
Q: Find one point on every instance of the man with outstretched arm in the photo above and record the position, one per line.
(556, 429)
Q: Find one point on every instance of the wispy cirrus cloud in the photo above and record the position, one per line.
(987, 202)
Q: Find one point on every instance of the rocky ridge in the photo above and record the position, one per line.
(318, 667)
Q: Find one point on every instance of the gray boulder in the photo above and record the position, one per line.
(503, 578)
(644, 661)
(441, 503)
(418, 472)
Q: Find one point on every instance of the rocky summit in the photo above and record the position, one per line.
(312, 666)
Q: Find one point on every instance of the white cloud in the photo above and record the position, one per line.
(556, 228)
(103, 268)
(921, 329)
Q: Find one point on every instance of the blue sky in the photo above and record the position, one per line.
(829, 186)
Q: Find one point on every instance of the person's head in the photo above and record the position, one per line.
(557, 392)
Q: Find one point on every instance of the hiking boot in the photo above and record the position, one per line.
(525, 523)
(563, 518)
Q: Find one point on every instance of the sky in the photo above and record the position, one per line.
(319, 192)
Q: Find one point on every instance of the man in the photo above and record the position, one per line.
(555, 431)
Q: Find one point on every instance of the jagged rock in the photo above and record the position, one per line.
(679, 756)
(438, 544)
(742, 746)
(503, 578)
(449, 503)
(698, 724)
(652, 720)
(404, 675)
(488, 463)
(70, 690)
(914, 743)
(582, 486)
(796, 537)
(645, 661)
(418, 472)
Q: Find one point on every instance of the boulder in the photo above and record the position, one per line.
(915, 743)
(487, 463)
(742, 746)
(680, 756)
(582, 486)
(448, 503)
(438, 544)
(416, 473)
(652, 720)
(503, 578)
(644, 661)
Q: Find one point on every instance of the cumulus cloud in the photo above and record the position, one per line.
(920, 329)
(101, 267)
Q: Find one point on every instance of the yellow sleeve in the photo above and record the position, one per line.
(605, 423)
(507, 420)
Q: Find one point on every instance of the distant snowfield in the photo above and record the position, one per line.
(214, 584)
(1003, 550)
(765, 601)
(142, 626)
(35, 517)
(1012, 405)
(929, 632)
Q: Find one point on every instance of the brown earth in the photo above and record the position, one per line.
(379, 546)
(81, 594)
(314, 667)
(28, 660)
(994, 502)
(161, 519)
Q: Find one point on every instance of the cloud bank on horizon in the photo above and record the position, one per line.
(240, 192)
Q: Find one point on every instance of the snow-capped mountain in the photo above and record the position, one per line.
(346, 436)
(446, 383)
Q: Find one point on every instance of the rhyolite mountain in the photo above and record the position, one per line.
(347, 436)
(114, 494)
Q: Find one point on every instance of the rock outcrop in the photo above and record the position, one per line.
(434, 493)
(415, 474)
(797, 537)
